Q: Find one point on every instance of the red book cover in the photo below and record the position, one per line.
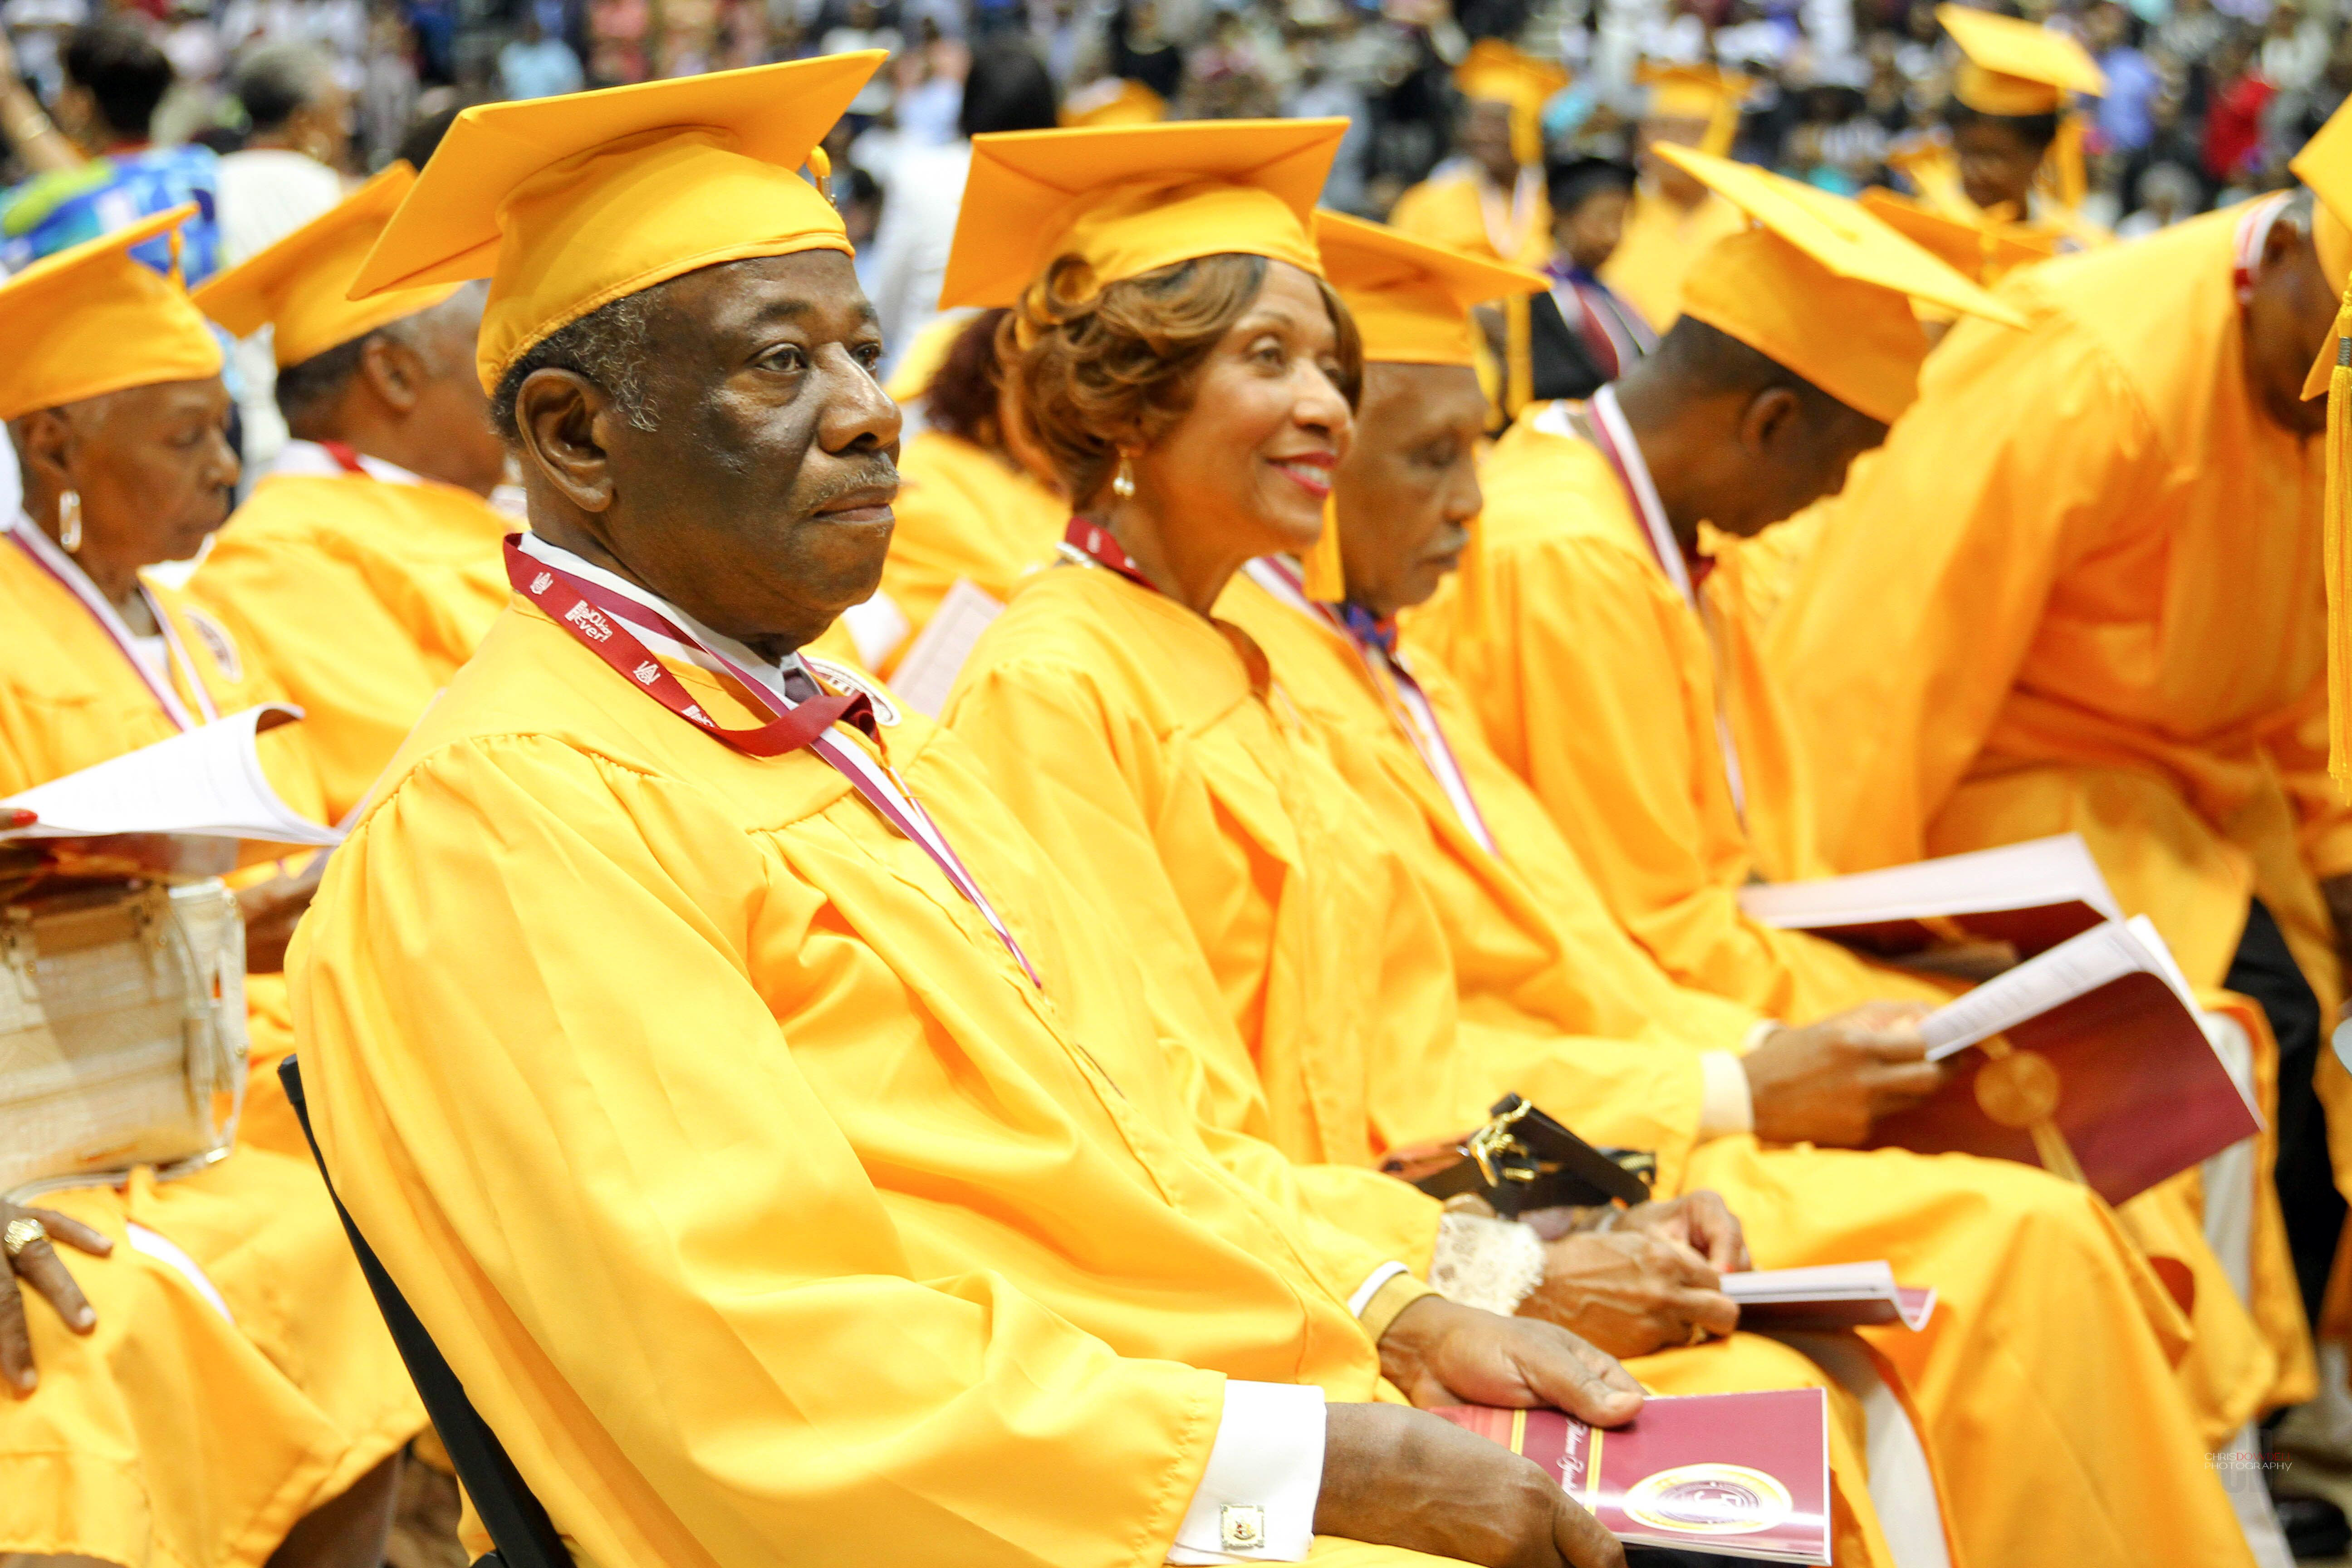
(1739, 1475)
(2109, 1071)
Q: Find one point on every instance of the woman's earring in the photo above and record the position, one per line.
(1122, 484)
(69, 521)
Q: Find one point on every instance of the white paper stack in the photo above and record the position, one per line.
(205, 783)
(1835, 1296)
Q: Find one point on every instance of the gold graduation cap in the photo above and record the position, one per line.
(569, 203)
(300, 285)
(1497, 72)
(2016, 68)
(92, 320)
(1412, 299)
(1984, 250)
(1696, 93)
(1130, 198)
(1114, 101)
(1821, 287)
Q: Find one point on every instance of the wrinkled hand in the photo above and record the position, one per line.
(1440, 1352)
(1699, 1220)
(1630, 1292)
(271, 909)
(39, 1266)
(1827, 1082)
(1405, 1478)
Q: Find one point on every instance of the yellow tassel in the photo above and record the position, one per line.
(1722, 127)
(821, 165)
(1519, 355)
(2339, 593)
(178, 277)
(1327, 571)
(2064, 166)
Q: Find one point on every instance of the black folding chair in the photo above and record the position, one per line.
(523, 1535)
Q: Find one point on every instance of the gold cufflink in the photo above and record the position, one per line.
(1241, 1526)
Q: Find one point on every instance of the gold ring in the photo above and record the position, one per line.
(22, 1232)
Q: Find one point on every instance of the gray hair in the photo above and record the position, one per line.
(611, 346)
(308, 391)
(274, 81)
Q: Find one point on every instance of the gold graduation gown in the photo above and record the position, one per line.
(2107, 618)
(1660, 242)
(1599, 685)
(1135, 738)
(763, 1204)
(362, 595)
(1596, 684)
(1322, 1101)
(963, 512)
(1453, 211)
(174, 1435)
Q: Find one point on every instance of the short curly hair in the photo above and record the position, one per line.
(1121, 364)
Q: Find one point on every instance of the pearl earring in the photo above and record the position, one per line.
(1122, 484)
(69, 521)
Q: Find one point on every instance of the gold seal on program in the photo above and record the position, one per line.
(2018, 1090)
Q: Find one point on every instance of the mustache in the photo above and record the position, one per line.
(878, 473)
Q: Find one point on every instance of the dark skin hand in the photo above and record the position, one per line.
(38, 1267)
(1827, 1082)
(1639, 1280)
(271, 909)
(1403, 1477)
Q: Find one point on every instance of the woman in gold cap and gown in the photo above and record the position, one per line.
(2014, 143)
(232, 1396)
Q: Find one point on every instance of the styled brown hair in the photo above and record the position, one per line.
(960, 397)
(1121, 364)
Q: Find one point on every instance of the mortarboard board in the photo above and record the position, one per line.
(1494, 71)
(1128, 199)
(568, 204)
(1823, 287)
(92, 320)
(1699, 93)
(2016, 68)
(1984, 250)
(300, 285)
(1412, 299)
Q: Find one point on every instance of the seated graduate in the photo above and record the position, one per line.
(782, 1155)
(209, 1381)
(2089, 558)
(1189, 381)
(1581, 335)
(365, 565)
(1679, 779)
(971, 506)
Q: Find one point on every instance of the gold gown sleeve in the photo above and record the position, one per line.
(548, 1057)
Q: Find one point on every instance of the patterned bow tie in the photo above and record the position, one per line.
(1368, 629)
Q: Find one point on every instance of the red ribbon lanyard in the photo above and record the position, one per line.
(1096, 544)
(567, 602)
(347, 456)
(1597, 428)
(593, 615)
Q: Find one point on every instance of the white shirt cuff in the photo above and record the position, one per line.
(1726, 1105)
(1256, 1500)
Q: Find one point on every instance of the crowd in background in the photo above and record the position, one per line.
(2206, 97)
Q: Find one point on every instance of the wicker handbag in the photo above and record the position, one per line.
(121, 1033)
